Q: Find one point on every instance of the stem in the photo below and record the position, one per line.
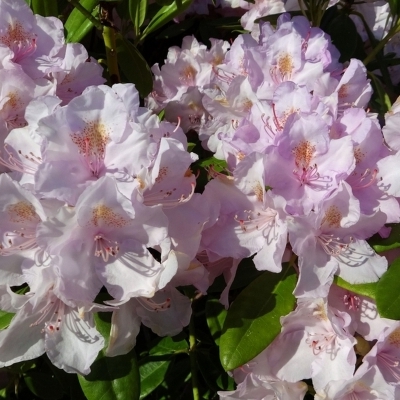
(193, 362)
(111, 52)
(87, 14)
(382, 43)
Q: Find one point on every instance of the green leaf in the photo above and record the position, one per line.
(394, 8)
(174, 381)
(212, 371)
(165, 14)
(215, 314)
(343, 33)
(46, 8)
(134, 66)
(391, 242)
(191, 146)
(137, 13)
(380, 91)
(5, 319)
(253, 321)
(111, 378)
(45, 386)
(152, 374)
(77, 25)
(388, 293)
(364, 289)
(219, 165)
(22, 366)
(69, 382)
(169, 345)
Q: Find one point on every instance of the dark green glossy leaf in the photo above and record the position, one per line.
(22, 366)
(382, 97)
(365, 289)
(137, 12)
(77, 25)
(46, 8)
(215, 314)
(169, 345)
(152, 374)
(69, 382)
(43, 385)
(175, 380)
(388, 293)
(391, 242)
(134, 66)
(165, 14)
(5, 319)
(212, 371)
(343, 33)
(394, 7)
(111, 378)
(253, 321)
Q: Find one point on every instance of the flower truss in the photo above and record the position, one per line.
(98, 196)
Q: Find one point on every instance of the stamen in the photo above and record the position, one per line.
(178, 125)
(105, 247)
(19, 41)
(56, 310)
(223, 75)
(257, 220)
(16, 165)
(352, 301)
(320, 342)
(333, 245)
(366, 175)
(391, 363)
(151, 305)
(163, 197)
(92, 143)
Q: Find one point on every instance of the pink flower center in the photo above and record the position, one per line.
(52, 314)
(14, 164)
(92, 142)
(390, 363)
(21, 42)
(151, 305)
(22, 214)
(105, 247)
(321, 342)
(333, 246)
(351, 301)
(257, 220)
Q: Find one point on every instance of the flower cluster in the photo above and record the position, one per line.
(97, 200)
(309, 174)
(87, 201)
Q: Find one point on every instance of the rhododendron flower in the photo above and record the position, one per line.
(249, 221)
(28, 39)
(165, 314)
(314, 343)
(44, 323)
(110, 235)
